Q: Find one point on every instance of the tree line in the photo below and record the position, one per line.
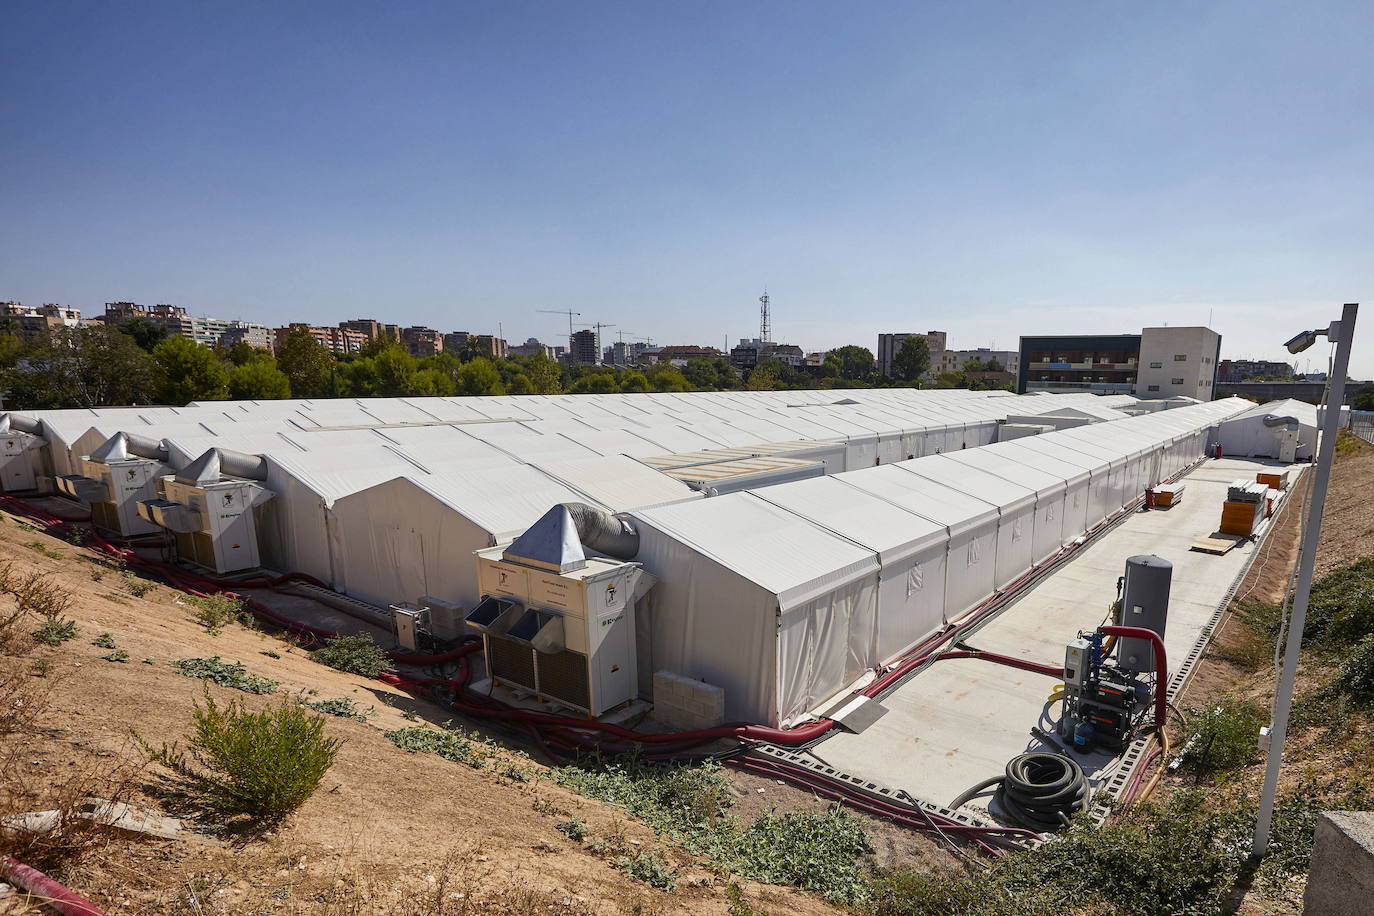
(139, 363)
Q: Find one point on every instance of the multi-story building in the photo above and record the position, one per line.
(752, 351)
(582, 348)
(336, 340)
(531, 347)
(890, 344)
(1156, 363)
(678, 354)
(1238, 370)
(421, 341)
(488, 345)
(954, 360)
(1178, 362)
(257, 336)
(120, 312)
(34, 322)
(372, 329)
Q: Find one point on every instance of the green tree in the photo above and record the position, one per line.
(710, 374)
(912, 359)
(259, 380)
(634, 382)
(242, 352)
(763, 377)
(543, 374)
(80, 367)
(479, 376)
(852, 362)
(1364, 400)
(951, 380)
(308, 364)
(993, 365)
(601, 381)
(394, 370)
(147, 334)
(430, 382)
(11, 348)
(973, 365)
(185, 371)
(667, 377)
(520, 384)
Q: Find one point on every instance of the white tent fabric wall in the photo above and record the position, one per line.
(971, 564)
(1015, 506)
(1049, 489)
(1076, 479)
(772, 608)
(415, 535)
(911, 553)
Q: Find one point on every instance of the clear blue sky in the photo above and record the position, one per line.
(991, 169)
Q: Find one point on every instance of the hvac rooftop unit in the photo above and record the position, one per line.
(210, 516)
(114, 483)
(557, 622)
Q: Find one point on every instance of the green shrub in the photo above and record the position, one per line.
(104, 640)
(1341, 607)
(354, 654)
(225, 674)
(1355, 679)
(343, 707)
(215, 612)
(265, 764)
(136, 586)
(1223, 737)
(575, 829)
(649, 867)
(118, 655)
(56, 631)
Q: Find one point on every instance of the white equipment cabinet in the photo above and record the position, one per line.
(562, 628)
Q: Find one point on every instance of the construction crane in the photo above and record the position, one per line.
(569, 312)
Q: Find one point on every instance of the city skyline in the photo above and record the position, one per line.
(990, 170)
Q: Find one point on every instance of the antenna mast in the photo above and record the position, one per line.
(765, 321)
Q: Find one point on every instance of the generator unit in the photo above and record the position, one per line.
(116, 480)
(558, 623)
(1105, 696)
(210, 513)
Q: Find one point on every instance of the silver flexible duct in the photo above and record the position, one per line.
(603, 532)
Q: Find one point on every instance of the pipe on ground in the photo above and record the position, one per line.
(51, 893)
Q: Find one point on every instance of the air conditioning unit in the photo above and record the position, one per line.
(18, 454)
(560, 624)
(114, 484)
(209, 515)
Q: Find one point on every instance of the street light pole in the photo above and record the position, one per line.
(1341, 333)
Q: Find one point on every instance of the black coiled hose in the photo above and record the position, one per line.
(1038, 790)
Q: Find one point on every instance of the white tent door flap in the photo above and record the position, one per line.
(405, 549)
(824, 645)
(911, 603)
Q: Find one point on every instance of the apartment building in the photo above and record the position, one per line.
(954, 360)
(34, 322)
(336, 340)
(1156, 363)
(372, 329)
(421, 341)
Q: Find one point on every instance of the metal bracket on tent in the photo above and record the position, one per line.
(856, 713)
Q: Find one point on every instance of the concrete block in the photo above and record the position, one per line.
(1340, 881)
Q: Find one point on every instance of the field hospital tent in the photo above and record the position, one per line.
(412, 536)
(1015, 508)
(970, 566)
(1075, 479)
(619, 483)
(1049, 490)
(772, 608)
(1260, 431)
(911, 554)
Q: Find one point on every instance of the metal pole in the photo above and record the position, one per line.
(1307, 558)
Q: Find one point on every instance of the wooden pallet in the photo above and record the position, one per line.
(1217, 543)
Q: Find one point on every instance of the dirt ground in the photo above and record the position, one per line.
(385, 825)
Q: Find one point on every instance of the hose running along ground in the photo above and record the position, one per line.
(1039, 790)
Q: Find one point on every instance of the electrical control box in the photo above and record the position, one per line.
(19, 453)
(1077, 663)
(407, 620)
(1144, 603)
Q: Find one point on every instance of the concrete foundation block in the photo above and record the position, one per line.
(1341, 879)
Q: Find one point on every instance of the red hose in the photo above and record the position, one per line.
(53, 894)
(1008, 660)
(1161, 666)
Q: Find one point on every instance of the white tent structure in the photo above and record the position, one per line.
(775, 609)
(1265, 431)
(969, 522)
(910, 549)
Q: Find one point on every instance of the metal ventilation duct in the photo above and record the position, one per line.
(557, 540)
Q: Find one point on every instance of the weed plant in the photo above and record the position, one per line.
(225, 674)
(263, 764)
(215, 612)
(1223, 737)
(354, 654)
(343, 707)
(56, 632)
(1355, 680)
(650, 868)
(104, 641)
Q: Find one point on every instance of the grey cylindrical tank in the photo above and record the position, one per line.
(1144, 603)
